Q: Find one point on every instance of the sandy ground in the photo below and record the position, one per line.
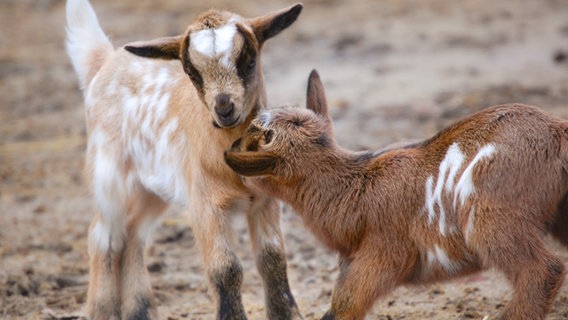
(394, 70)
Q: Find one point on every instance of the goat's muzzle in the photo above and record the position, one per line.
(225, 110)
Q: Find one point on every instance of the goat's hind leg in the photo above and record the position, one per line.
(519, 252)
(536, 284)
(559, 226)
(105, 245)
(268, 246)
(136, 291)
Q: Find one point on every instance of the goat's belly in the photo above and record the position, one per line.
(438, 264)
(167, 183)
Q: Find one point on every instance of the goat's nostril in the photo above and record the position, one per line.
(224, 107)
(225, 111)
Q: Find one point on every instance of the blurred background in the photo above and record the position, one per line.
(393, 70)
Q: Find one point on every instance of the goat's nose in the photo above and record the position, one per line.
(224, 107)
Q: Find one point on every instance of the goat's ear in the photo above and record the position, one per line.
(254, 163)
(266, 27)
(315, 99)
(163, 48)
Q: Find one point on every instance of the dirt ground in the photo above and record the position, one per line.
(394, 70)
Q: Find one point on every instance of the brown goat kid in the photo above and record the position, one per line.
(157, 131)
(481, 193)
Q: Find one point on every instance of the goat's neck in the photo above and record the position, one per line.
(328, 199)
(333, 176)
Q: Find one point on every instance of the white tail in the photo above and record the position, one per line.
(87, 44)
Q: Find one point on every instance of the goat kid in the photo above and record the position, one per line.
(482, 193)
(157, 131)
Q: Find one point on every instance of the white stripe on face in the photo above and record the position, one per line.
(215, 42)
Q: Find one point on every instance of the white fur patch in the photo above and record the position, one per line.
(215, 42)
(462, 189)
(160, 170)
(100, 236)
(439, 256)
(107, 236)
(265, 118)
(469, 226)
(448, 169)
(155, 146)
(465, 187)
(108, 185)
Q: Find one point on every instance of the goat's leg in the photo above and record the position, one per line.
(559, 227)
(268, 246)
(360, 283)
(535, 273)
(212, 230)
(136, 291)
(536, 284)
(105, 247)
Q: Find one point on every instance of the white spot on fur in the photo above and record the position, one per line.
(439, 256)
(107, 183)
(155, 146)
(469, 226)
(276, 242)
(265, 118)
(215, 42)
(100, 236)
(430, 199)
(464, 188)
(448, 169)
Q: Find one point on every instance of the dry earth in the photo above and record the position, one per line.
(394, 70)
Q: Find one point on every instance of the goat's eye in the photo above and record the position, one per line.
(251, 63)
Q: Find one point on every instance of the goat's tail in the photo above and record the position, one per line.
(86, 44)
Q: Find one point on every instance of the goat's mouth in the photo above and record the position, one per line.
(226, 123)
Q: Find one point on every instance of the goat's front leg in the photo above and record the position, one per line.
(268, 246)
(212, 231)
(360, 283)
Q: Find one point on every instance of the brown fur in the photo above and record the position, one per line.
(372, 207)
(119, 287)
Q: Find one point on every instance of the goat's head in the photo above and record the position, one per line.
(283, 142)
(220, 52)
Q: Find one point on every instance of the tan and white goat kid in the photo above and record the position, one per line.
(157, 131)
(481, 193)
